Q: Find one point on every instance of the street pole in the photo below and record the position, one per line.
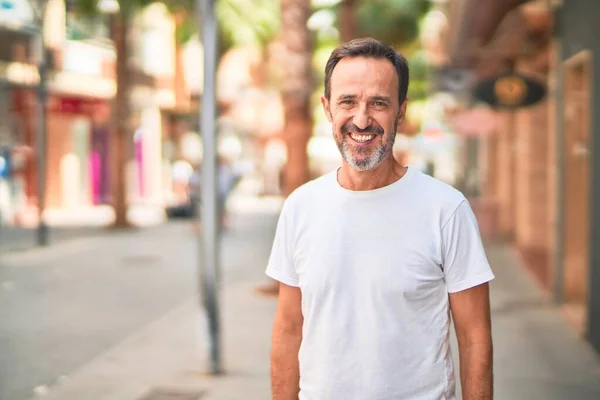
(42, 228)
(209, 240)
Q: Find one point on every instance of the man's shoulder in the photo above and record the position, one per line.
(434, 192)
(311, 190)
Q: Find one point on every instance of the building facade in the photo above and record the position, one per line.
(82, 87)
(539, 183)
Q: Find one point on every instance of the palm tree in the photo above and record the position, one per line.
(347, 20)
(297, 87)
(121, 133)
(121, 19)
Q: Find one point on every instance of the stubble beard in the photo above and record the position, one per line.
(359, 158)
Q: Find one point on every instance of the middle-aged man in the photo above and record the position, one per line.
(375, 257)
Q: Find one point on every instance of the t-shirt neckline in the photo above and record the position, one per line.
(365, 193)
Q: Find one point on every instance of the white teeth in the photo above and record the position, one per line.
(361, 138)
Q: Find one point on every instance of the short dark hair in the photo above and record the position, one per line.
(370, 48)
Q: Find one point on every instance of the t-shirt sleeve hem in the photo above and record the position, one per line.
(471, 282)
(280, 277)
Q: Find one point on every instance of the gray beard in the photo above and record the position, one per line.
(368, 161)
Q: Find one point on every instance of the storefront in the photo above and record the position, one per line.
(542, 178)
(12, 157)
(77, 152)
(580, 52)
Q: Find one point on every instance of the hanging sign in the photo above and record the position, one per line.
(510, 91)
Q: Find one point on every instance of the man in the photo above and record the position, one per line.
(373, 258)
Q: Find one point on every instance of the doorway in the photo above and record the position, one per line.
(577, 118)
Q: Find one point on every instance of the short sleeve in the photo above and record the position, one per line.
(281, 263)
(465, 264)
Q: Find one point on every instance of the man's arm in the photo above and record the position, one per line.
(471, 314)
(287, 336)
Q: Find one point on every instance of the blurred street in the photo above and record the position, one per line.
(64, 305)
(116, 316)
(14, 238)
(66, 225)
(121, 119)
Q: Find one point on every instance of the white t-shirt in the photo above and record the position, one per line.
(375, 269)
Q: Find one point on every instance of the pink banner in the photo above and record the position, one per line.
(474, 122)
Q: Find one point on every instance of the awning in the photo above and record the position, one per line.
(476, 27)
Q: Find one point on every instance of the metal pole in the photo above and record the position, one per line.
(209, 241)
(558, 292)
(42, 228)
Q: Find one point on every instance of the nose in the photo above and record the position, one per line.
(361, 118)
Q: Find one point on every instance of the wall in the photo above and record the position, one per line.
(531, 190)
(577, 19)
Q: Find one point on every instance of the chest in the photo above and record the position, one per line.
(388, 254)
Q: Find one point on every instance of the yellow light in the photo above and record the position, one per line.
(510, 90)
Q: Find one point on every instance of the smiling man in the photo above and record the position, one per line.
(374, 259)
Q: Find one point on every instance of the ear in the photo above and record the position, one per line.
(402, 113)
(326, 108)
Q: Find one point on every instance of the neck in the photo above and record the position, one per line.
(384, 174)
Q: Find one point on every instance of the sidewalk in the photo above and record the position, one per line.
(537, 356)
(169, 354)
(67, 224)
(21, 239)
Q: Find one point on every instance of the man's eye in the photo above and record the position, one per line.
(347, 102)
(379, 104)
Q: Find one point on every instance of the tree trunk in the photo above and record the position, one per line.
(182, 94)
(120, 133)
(296, 91)
(347, 20)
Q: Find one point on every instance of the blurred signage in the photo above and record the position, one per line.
(510, 91)
(7, 5)
(433, 130)
(69, 105)
(98, 108)
(76, 105)
(433, 133)
(479, 121)
(16, 12)
(454, 80)
(19, 73)
(82, 85)
(84, 58)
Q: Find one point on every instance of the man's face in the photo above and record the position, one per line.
(364, 110)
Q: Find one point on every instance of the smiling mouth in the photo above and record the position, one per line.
(361, 137)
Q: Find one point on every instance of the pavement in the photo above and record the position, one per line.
(537, 354)
(14, 238)
(66, 224)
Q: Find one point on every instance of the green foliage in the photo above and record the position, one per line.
(178, 5)
(419, 76)
(392, 21)
(247, 22)
(241, 22)
(397, 22)
(85, 8)
(186, 29)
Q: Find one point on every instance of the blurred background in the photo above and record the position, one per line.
(101, 160)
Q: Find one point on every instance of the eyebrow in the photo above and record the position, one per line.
(380, 98)
(372, 98)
